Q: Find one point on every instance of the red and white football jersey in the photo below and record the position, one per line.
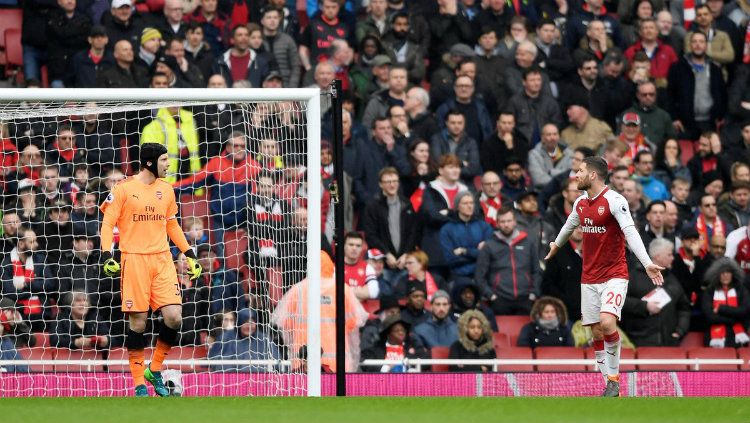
(358, 274)
(738, 247)
(602, 219)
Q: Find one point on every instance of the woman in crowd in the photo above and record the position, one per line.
(548, 326)
(395, 344)
(726, 305)
(668, 164)
(474, 342)
(77, 327)
(416, 271)
(423, 170)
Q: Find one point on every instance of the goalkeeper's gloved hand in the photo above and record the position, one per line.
(111, 266)
(194, 268)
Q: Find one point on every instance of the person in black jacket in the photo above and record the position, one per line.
(697, 92)
(548, 326)
(125, 73)
(14, 333)
(474, 342)
(466, 296)
(67, 32)
(77, 327)
(86, 64)
(123, 23)
(395, 344)
(562, 275)
(34, 37)
(648, 321)
(389, 222)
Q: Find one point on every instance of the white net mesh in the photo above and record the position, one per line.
(239, 174)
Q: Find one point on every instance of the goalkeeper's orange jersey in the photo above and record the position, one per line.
(141, 213)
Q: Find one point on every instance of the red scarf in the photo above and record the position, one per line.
(416, 197)
(709, 163)
(490, 206)
(429, 282)
(66, 154)
(700, 225)
(688, 12)
(727, 297)
(23, 275)
(640, 144)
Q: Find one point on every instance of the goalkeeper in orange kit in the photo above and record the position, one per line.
(144, 210)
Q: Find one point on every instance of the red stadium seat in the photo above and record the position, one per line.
(235, 249)
(625, 353)
(661, 353)
(515, 353)
(511, 325)
(440, 353)
(37, 353)
(744, 354)
(545, 353)
(714, 353)
(187, 353)
(692, 340)
(68, 354)
(42, 339)
(9, 19)
(687, 150)
(120, 354)
(500, 340)
(13, 54)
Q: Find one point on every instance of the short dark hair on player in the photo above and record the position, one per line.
(597, 164)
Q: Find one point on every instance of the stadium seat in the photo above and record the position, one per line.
(511, 325)
(440, 353)
(68, 354)
(38, 354)
(546, 353)
(187, 353)
(13, 54)
(687, 150)
(9, 19)
(744, 354)
(120, 354)
(692, 340)
(235, 248)
(515, 353)
(714, 353)
(501, 340)
(42, 339)
(625, 353)
(661, 353)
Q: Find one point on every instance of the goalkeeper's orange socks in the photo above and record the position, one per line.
(612, 348)
(135, 343)
(137, 361)
(167, 338)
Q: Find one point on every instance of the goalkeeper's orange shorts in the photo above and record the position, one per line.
(148, 280)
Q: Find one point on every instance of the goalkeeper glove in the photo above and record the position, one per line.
(111, 266)
(194, 268)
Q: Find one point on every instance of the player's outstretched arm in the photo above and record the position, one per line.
(621, 211)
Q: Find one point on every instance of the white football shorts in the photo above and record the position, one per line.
(607, 297)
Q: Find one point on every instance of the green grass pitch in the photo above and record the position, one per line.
(378, 410)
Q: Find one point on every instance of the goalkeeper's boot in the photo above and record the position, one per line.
(613, 388)
(154, 378)
(141, 391)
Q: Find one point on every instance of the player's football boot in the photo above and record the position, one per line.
(154, 378)
(612, 389)
(141, 391)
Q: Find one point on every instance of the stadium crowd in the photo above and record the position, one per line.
(464, 124)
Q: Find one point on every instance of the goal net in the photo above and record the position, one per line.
(245, 168)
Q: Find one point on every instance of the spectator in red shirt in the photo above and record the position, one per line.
(241, 62)
(662, 55)
(358, 274)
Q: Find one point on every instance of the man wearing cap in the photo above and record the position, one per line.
(549, 158)
(125, 73)
(440, 329)
(67, 30)
(655, 122)
(58, 230)
(414, 312)
(584, 130)
(381, 100)
(282, 46)
(86, 64)
(125, 24)
(389, 222)
(369, 80)
(151, 43)
(442, 79)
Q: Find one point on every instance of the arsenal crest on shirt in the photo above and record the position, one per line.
(158, 195)
(600, 210)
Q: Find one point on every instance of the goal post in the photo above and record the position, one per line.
(60, 104)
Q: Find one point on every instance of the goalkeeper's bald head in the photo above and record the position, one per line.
(150, 153)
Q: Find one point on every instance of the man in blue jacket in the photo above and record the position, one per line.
(439, 330)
